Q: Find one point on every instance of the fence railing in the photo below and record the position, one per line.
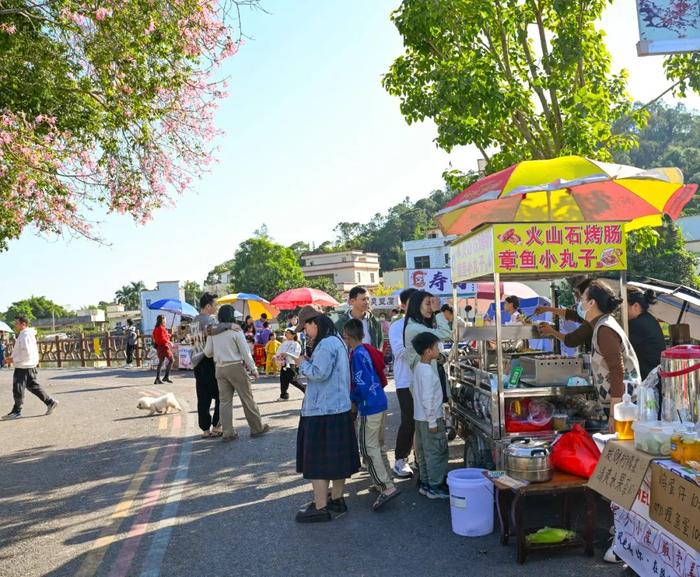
(89, 349)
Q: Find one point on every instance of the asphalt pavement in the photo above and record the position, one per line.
(101, 489)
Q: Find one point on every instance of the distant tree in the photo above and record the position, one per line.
(664, 258)
(193, 291)
(300, 249)
(130, 295)
(35, 308)
(265, 268)
(214, 275)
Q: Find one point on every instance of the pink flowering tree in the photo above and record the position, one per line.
(106, 104)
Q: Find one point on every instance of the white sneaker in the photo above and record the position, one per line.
(402, 469)
(611, 557)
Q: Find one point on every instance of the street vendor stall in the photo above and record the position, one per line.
(501, 391)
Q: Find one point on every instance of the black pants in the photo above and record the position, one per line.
(288, 376)
(404, 437)
(130, 354)
(207, 389)
(26, 379)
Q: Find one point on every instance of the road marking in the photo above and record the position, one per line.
(162, 531)
(130, 545)
(109, 533)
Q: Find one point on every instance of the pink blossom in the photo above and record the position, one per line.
(102, 13)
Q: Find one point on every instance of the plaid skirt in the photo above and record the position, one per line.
(327, 447)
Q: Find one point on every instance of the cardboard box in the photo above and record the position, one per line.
(675, 505)
(620, 472)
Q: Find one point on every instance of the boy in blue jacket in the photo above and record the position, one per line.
(370, 400)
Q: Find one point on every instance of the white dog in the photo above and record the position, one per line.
(159, 404)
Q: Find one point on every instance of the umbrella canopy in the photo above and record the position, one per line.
(249, 304)
(175, 306)
(568, 189)
(5, 328)
(300, 297)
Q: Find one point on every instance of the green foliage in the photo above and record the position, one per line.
(531, 78)
(35, 308)
(224, 267)
(193, 291)
(265, 268)
(665, 259)
(130, 295)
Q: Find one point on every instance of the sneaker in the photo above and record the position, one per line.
(402, 469)
(51, 407)
(167, 380)
(611, 557)
(423, 489)
(437, 493)
(283, 398)
(265, 429)
(12, 415)
(337, 505)
(313, 515)
(157, 382)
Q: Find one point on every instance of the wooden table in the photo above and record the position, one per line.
(510, 503)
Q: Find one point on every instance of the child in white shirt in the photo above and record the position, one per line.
(431, 437)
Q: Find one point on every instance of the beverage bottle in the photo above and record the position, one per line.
(625, 413)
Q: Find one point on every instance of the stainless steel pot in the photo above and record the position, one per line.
(528, 460)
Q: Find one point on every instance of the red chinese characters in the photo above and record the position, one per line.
(507, 259)
(554, 235)
(567, 259)
(573, 235)
(548, 259)
(528, 260)
(593, 234)
(534, 236)
(612, 234)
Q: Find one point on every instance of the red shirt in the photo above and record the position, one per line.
(161, 336)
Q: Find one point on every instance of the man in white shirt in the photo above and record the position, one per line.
(402, 380)
(25, 358)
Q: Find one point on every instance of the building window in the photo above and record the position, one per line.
(359, 277)
(421, 262)
(447, 258)
(371, 277)
(432, 235)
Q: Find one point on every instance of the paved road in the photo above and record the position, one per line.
(99, 489)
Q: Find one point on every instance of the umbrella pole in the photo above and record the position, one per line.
(623, 294)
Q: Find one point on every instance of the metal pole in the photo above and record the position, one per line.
(555, 304)
(455, 324)
(623, 294)
(499, 354)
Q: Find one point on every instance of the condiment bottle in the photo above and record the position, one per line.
(625, 413)
(691, 448)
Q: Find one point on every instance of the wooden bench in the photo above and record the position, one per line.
(510, 504)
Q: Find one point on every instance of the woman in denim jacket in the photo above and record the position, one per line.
(326, 443)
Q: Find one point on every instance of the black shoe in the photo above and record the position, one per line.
(313, 515)
(12, 415)
(337, 505)
(157, 382)
(167, 380)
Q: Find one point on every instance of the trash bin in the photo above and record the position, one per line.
(471, 502)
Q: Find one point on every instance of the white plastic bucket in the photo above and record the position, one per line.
(471, 502)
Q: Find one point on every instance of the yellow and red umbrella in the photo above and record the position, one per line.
(568, 189)
(249, 304)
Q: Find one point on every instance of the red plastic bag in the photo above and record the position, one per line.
(575, 453)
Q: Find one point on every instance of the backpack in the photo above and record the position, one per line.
(377, 362)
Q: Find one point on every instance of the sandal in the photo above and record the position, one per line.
(383, 499)
(217, 431)
(207, 434)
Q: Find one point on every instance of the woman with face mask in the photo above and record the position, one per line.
(576, 338)
(614, 364)
(645, 332)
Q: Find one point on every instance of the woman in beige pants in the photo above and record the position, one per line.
(231, 353)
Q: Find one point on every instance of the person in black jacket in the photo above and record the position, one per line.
(644, 330)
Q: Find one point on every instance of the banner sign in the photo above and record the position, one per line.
(472, 258)
(559, 247)
(668, 26)
(437, 281)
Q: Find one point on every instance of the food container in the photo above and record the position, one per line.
(560, 421)
(654, 437)
(528, 460)
(680, 373)
(550, 369)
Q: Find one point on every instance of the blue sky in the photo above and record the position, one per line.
(311, 139)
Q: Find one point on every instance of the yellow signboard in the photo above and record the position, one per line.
(559, 247)
(472, 257)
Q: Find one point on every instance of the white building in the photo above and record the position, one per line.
(428, 263)
(163, 290)
(346, 269)
(221, 286)
(117, 316)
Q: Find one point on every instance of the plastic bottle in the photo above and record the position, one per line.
(625, 413)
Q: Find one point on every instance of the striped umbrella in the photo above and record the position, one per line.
(568, 189)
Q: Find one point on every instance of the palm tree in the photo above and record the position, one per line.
(130, 295)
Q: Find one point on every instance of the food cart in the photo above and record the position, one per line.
(485, 385)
